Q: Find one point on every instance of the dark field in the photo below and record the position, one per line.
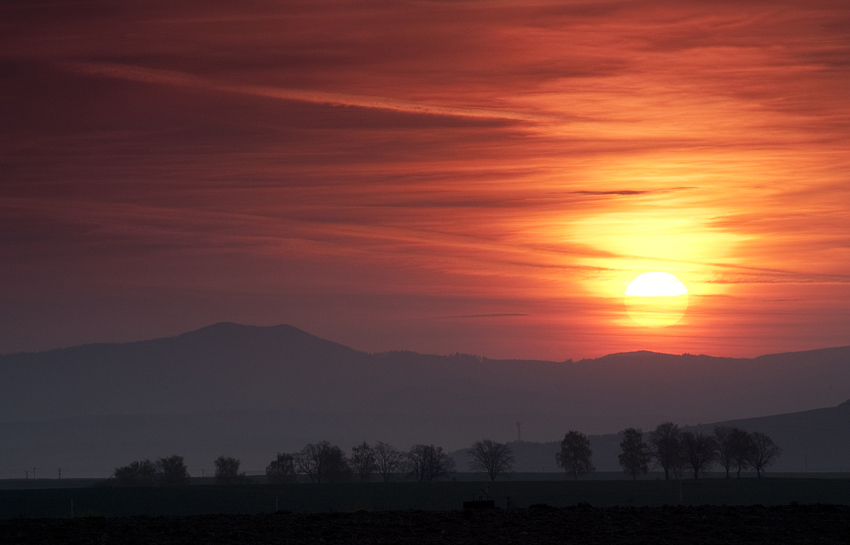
(575, 525)
(400, 496)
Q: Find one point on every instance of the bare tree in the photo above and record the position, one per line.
(281, 469)
(139, 473)
(227, 471)
(388, 459)
(732, 447)
(363, 461)
(725, 450)
(575, 455)
(494, 458)
(323, 462)
(172, 471)
(169, 471)
(635, 456)
(427, 462)
(699, 451)
(763, 452)
(740, 444)
(664, 446)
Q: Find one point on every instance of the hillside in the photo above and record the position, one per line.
(814, 441)
(251, 391)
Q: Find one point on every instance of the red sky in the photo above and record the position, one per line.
(466, 176)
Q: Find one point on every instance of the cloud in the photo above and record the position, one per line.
(162, 77)
(495, 315)
(627, 192)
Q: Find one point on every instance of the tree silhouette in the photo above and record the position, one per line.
(722, 435)
(323, 462)
(741, 443)
(575, 455)
(172, 471)
(491, 457)
(363, 461)
(699, 451)
(635, 456)
(388, 459)
(427, 462)
(227, 471)
(281, 469)
(665, 448)
(763, 452)
(732, 447)
(139, 473)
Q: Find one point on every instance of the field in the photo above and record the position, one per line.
(703, 525)
(395, 496)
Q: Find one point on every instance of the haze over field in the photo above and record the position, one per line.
(252, 391)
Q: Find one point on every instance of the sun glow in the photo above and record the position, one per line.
(656, 299)
(656, 284)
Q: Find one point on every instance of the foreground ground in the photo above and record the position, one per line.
(111, 501)
(534, 525)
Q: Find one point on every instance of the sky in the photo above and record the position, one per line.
(468, 176)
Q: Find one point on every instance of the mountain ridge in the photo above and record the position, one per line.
(237, 366)
(233, 326)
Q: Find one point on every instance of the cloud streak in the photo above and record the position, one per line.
(163, 77)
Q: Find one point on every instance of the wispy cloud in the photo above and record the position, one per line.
(163, 77)
(497, 315)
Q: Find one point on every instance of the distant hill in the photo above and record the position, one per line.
(815, 441)
(250, 391)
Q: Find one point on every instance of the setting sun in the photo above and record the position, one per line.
(656, 299)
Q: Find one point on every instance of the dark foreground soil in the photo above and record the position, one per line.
(535, 525)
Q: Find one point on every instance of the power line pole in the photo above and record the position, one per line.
(519, 431)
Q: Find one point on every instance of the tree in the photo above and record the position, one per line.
(281, 469)
(427, 462)
(732, 446)
(172, 471)
(664, 446)
(227, 471)
(741, 443)
(494, 458)
(635, 456)
(763, 452)
(323, 462)
(699, 451)
(363, 461)
(575, 456)
(139, 473)
(388, 459)
(722, 436)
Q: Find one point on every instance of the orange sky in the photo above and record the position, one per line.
(473, 176)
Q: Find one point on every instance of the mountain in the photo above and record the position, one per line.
(251, 391)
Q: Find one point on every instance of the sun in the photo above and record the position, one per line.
(656, 299)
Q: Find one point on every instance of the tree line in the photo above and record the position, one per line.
(667, 447)
(675, 451)
(319, 462)
(323, 462)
